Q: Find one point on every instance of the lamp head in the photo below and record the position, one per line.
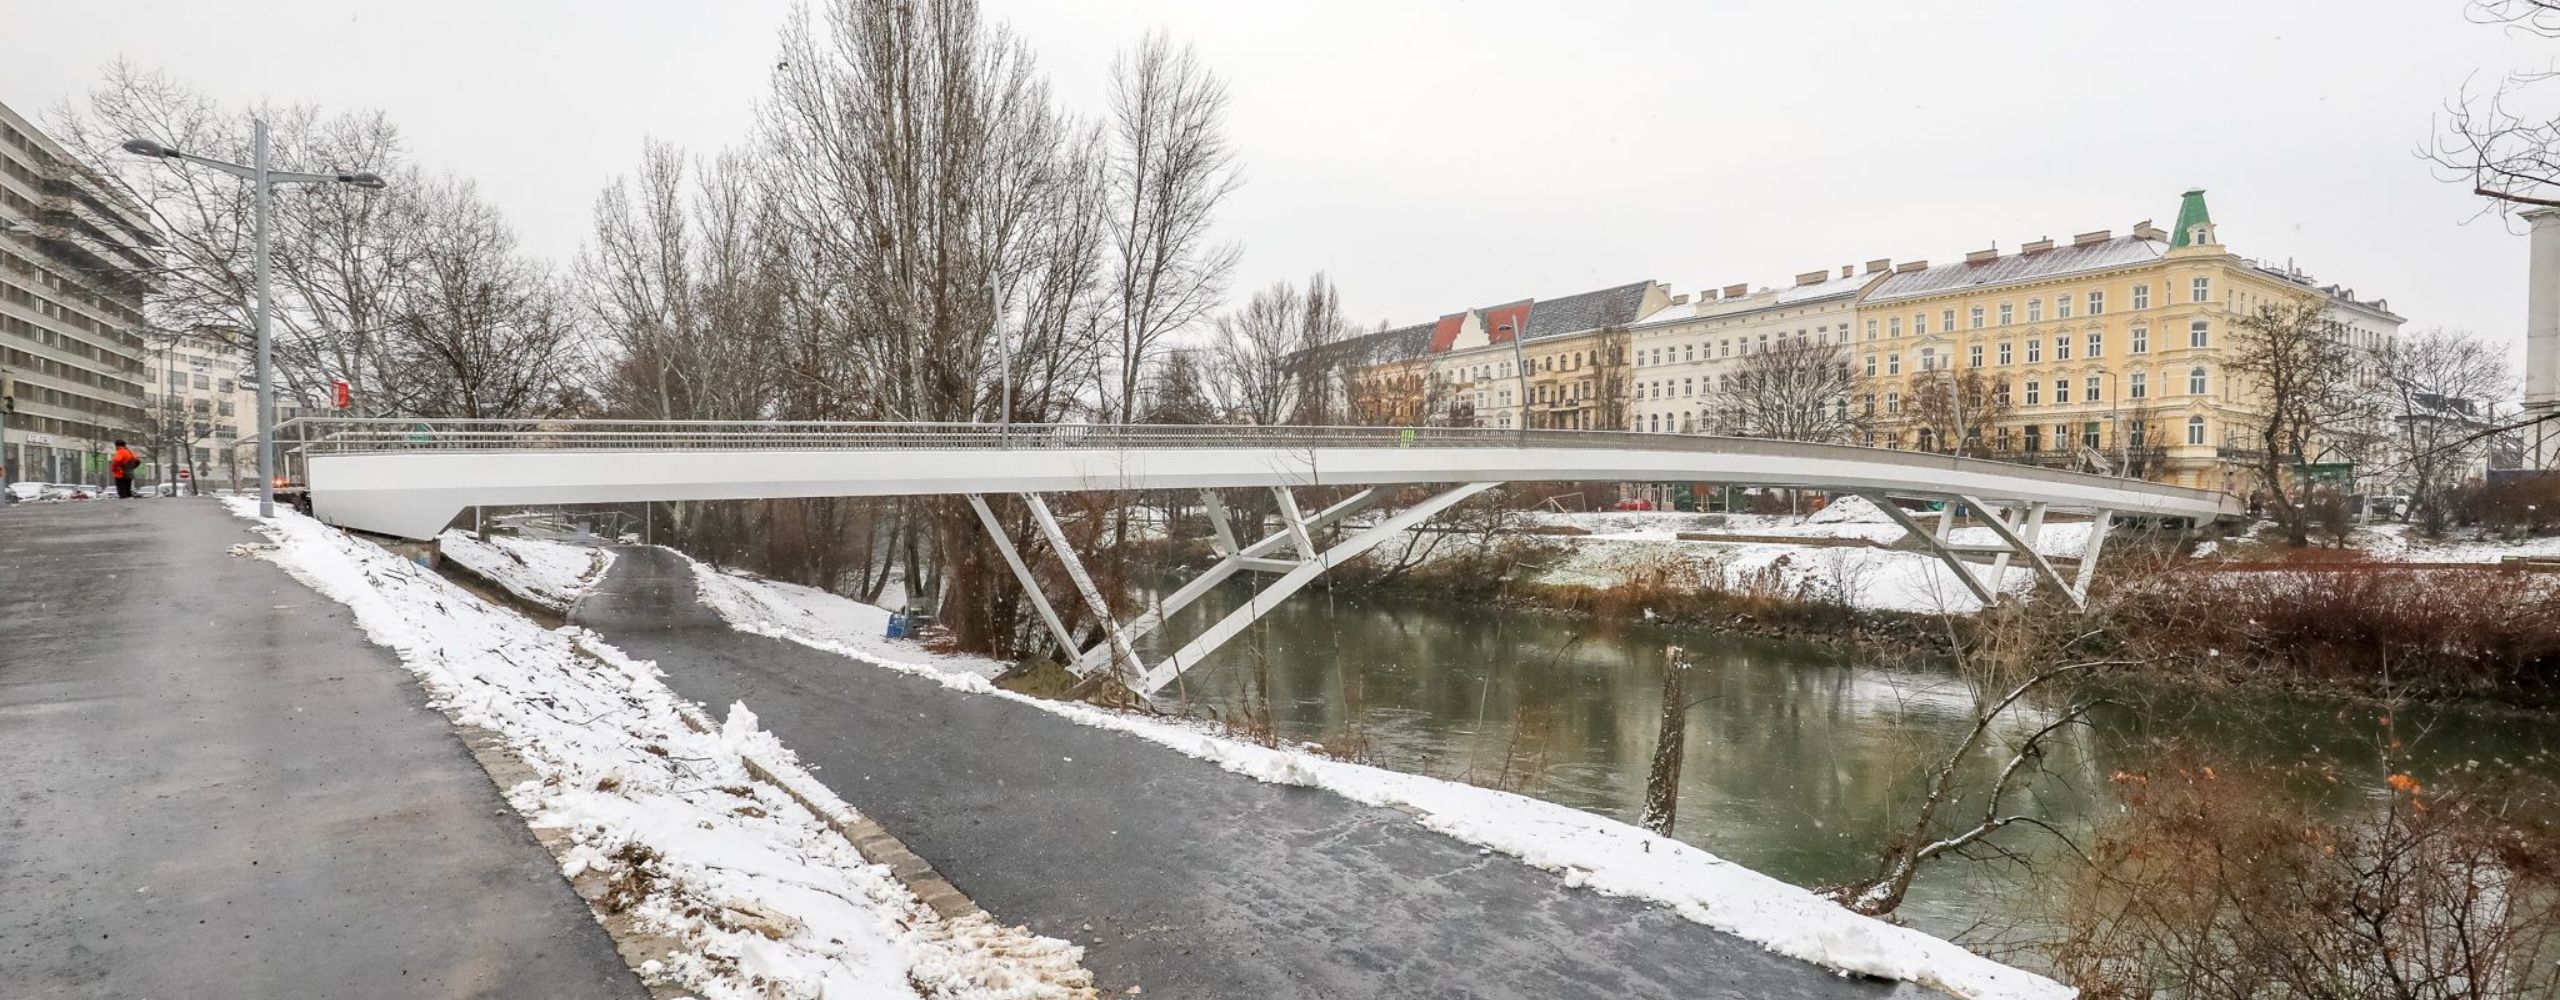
(146, 147)
(367, 180)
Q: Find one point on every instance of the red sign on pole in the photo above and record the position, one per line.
(345, 397)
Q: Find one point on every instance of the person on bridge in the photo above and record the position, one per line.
(122, 467)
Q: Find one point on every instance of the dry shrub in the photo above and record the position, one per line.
(2431, 633)
(2218, 883)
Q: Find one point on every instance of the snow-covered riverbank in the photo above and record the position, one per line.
(756, 895)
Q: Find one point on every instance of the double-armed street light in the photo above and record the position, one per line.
(262, 181)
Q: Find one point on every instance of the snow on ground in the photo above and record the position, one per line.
(1584, 849)
(774, 607)
(763, 898)
(2399, 543)
(551, 574)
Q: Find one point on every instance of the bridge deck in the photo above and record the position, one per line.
(409, 478)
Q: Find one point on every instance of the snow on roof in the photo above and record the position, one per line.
(2017, 267)
(1785, 298)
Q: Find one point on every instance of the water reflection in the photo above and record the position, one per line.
(1799, 759)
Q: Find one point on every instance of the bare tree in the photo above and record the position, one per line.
(1610, 388)
(2498, 141)
(2440, 385)
(483, 330)
(2294, 361)
(1955, 410)
(1171, 165)
(1256, 350)
(1796, 390)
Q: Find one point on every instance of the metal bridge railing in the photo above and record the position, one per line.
(323, 436)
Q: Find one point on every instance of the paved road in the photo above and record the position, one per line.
(1180, 877)
(215, 787)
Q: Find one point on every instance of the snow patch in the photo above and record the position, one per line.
(763, 897)
(550, 574)
(825, 617)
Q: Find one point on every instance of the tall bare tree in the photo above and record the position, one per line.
(2295, 362)
(1797, 390)
(2441, 385)
(1171, 165)
(1954, 410)
(481, 329)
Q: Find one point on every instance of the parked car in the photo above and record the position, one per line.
(26, 491)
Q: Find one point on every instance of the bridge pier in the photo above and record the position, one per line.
(2017, 527)
(1116, 657)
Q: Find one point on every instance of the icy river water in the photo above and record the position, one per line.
(1799, 757)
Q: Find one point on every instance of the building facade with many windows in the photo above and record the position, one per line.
(1687, 355)
(2109, 352)
(199, 415)
(74, 251)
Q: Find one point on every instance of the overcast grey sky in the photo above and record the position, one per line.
(1435, 154)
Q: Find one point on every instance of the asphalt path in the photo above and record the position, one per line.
(216, 787)
(1180, 878)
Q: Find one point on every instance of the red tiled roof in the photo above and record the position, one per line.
(1445, 332)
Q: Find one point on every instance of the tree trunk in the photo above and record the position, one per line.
(1662, 780)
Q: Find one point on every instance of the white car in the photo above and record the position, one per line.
(27, 491)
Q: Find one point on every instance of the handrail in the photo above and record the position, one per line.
(327, 436)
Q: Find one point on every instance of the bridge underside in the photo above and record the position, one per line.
(415, 494)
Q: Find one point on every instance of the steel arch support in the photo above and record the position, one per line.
(2020, 537)
(1112, 639)
(1022, 574)
(1291, 582)
(1252, 557)
(1936, 541)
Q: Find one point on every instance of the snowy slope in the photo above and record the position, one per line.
(550, 574)
(774, 607)
(1581, 848)
(764, 899)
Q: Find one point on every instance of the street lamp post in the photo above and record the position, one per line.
(262, 182)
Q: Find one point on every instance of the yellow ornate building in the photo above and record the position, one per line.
(2109, 351)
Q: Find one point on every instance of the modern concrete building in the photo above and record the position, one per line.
(199, 413)
(75, 252)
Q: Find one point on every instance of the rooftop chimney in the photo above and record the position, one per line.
(1979, 256)
(2101, 236)
(1681, 299)
(1737, 291)
(1880, 264)
(1913, 265)
(1848, 270)
(1812, 277)
(2039, 246)
(2145, 230)
(1709, 295)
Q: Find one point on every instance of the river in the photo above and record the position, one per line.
(1800, 757)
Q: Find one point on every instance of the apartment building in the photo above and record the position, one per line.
(1560, 363)
(1687, 355)
(74, 255)
(199, 414)
(2105, 352)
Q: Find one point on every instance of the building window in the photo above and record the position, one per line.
(2061, 391)
(2001, 392)
(2007, 313)
(1871, 329)
(2092, 387)
(1947, 320)
(2062, 348)
(2035, 392)
(1893, 402)
(2035, 351)
(2134, 435)
(2195, 427)
(2089, 435)
(2062, 306)
(1893, 327)
(222, 408)
(1919, 323)
(2201, 290)
(2035, 311)
(2141, 340)
(2035, 439)
(1686, 389)
(1871, 366)
(1973, 356)
(2097, 345)
(2141, 297)
(1893, 364)
(1928, 359)
(1977, 317)
(2198, 333)
(2097, 303)
(2135, 384)
(2004, 352)
(2195, 381)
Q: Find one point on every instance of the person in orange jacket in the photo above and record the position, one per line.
(122, 467)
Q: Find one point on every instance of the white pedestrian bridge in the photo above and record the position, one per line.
(410, 478)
